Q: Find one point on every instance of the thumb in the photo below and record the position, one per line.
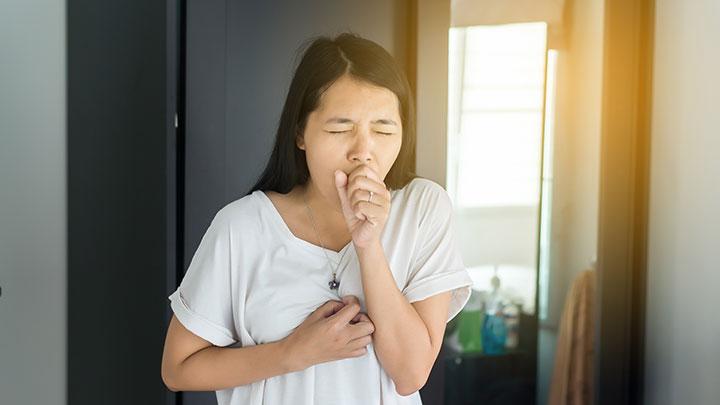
(327, 309)
(349, 299)
(341, 185)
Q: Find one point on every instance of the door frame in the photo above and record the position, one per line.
(623, 201)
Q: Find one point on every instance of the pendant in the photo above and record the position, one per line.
(334, 284)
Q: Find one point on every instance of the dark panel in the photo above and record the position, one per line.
(205, 95)
(120, 103)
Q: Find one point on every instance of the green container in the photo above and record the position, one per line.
(469, 330)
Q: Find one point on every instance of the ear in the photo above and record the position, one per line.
(300, 140)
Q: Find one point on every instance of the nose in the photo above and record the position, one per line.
(362, 147)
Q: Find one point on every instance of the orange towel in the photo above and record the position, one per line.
(572, 381)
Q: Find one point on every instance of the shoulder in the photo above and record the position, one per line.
(425, 185)
(240, 213)
(426, 199)
(427, 193)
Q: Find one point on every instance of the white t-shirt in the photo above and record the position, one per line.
(251, 281)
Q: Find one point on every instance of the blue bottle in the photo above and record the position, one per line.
(494, 333)
(494, 330)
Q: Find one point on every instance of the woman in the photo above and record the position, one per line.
(331, 282)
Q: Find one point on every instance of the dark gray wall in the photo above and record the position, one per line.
(120, 201)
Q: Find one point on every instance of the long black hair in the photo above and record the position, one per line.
(323, 62)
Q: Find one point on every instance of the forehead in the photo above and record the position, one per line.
(351, 95)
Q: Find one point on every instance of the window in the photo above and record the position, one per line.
(496, 89)
(501, 85)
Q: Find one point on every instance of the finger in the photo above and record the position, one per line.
(361, 192)
(360, 188)
(369, 211)
(364, 210)
(360, 179)
(341, 186)
(364, 176)
(359, 352)
(361, 317)
(327, 309)
(361, 329)
(349, 299)
(360, 342)
(346, 313)
(363, 170)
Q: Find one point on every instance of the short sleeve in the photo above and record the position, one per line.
(203, 301)
(438, 266)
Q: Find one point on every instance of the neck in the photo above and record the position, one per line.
(324, 210)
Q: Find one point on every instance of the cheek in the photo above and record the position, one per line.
(394, 148)
(390, 156)
(321, 158)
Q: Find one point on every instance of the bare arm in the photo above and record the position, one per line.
(191, 363)
(333, 331)
(407, 337)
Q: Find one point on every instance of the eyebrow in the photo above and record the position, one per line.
(338, 120)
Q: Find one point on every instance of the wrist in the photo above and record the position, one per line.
(372, 247)
(289, 358)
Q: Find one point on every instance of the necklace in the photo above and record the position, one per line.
(334, 283)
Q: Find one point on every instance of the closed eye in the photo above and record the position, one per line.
(342, 132)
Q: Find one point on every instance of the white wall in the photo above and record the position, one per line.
(498, 235)
(32, 203)
(682, 360)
